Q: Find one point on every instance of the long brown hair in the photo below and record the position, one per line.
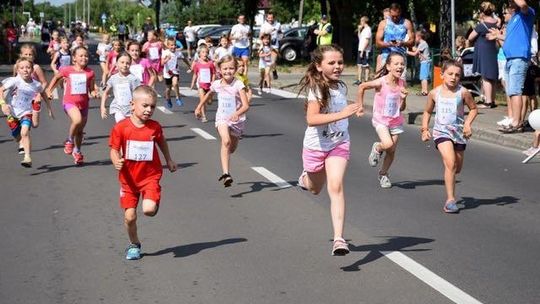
(314, 80)
(384, 71)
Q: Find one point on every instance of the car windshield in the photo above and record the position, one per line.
(204, 31)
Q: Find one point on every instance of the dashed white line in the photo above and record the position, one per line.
(436, 282)
(164, 110)
(203, 133)
(281, 183)
(286, 94)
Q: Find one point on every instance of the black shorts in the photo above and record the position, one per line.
(529, 86)
(363, 59)
(168, 81)
(457, 147)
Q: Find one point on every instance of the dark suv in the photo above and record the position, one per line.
(291, 46)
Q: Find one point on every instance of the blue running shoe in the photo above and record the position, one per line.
(169, 104)
(179, 102)
(133, 252)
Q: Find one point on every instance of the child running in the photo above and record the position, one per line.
(204, 72)
(230, 115)
(62, 57)
(79, 81)
(223, 49)
(111, 61)
(140, 67)
(152, 48)
(390, 100)
(20, 92)
(169, 60)
(134, 154)
(243, 77)
(103, 49)
(122, 84)
(450, 130)
(54, 44)
(326, 140)
(28, 51)
(265, 64)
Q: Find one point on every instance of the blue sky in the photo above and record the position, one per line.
(54, 2)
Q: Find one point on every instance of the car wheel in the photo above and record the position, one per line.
(289, 54)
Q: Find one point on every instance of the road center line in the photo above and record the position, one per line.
(203, 134)
(164, 110)
(425, 275)
(281, 183)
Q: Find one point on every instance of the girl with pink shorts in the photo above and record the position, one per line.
(79, 85)
(152, 48)
(326, 140)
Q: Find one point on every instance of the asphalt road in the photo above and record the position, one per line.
(63, 240)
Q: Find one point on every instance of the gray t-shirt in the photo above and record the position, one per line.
(425, 53)
(122, 87)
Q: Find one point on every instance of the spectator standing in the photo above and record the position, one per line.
(485, 54)
(364, 50)
(324, 32)
(424, 56)
(273, 28)
(11, 40)
(189, 33)
(123, 32)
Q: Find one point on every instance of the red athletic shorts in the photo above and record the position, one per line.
(129, 195)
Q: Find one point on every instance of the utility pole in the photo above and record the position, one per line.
(88, 11)
(83, 10)
(300, 15)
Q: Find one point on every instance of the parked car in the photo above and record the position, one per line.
(216, 33)
(291, 46)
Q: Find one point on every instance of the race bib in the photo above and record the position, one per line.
(153, 53)
(137, 70)
(446, 111)
(140, 150)
(391, 105)
(65, 60)
(78, 84)
(205, 76)
(226, 105)
(122, 93)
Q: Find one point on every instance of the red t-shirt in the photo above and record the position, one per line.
(111, 62)
(204, 72)
(124, 136)
(78, 85)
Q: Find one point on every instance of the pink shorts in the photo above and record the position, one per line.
(67, 106)
(314, 160)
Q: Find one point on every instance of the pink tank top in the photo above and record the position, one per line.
(387, 103)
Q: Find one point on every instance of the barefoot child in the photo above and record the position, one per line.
(326, 140)
(230, 115)
(122, 84)
(451, 130)
(390, 100)
(134, 154)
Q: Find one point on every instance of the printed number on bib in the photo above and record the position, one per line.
(446, 111)
(227, 105)
(78, 84)
(140, 150)
(205, 76)
(154, 53)
(391, 106)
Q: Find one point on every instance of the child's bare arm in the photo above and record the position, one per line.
(164, 147)
(426, 116)
(116, 159)
(473, 112)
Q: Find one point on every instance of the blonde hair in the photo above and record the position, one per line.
(144, 90)
(24, 60)
(28, 46)
(487, 8)
(228, 58)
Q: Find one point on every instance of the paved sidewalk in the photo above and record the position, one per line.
(484, 126)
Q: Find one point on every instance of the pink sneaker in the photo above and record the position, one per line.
(68, 147)
(78, 158)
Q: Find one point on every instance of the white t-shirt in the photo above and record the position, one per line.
(172, 65)
(189, 31)
(240, 35)
(221, 52)
(123, 87)
(327, 137)
(362, 36)
(103, 49)
(19, 94)
(228, 99)
(273, 30)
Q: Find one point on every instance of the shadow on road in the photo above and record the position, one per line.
(256, 187)
(419, 183)
(52, 147)
(174, 126)
(183, 251)
(180, 138)
(471, 202)
(395, 243)
(49, 169)
(181, 166)
(262, 135)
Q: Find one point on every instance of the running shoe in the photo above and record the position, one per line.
(26, 162)
(275, 75)
(204, 119)
(301, 183)
(374, 156)
(169, 104)
(384, 181)
(451, 207)
(357, 83)
(503, 122)
(133, 252)
(68, 147)
(531, 151)
(340, 247)
(20, 150)
(227, 179)
(78, 158)
(179, 102)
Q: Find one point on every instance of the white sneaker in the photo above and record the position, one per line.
(374, 156)
(531, 151)
(384, 181)
(301, 183)
(506, 122)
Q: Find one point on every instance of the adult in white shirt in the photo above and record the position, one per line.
(272, 28)
(240, 34)
(364, 50)
(189, 33)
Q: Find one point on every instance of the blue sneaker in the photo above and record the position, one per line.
(179, 102)
(133, 252)
(451, 207)
(169, 104)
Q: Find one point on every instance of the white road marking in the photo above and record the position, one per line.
(425, 275)
(272, 177)
(285, 94)
(203, 133)
(164, 110)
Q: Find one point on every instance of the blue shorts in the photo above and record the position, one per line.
(16, 125)
(363, 59)
(425, 70)
(515, 72)
(240, 52)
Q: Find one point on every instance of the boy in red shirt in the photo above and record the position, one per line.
(134, 153)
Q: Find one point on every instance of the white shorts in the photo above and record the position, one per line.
(392, 130)
(501, 64)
